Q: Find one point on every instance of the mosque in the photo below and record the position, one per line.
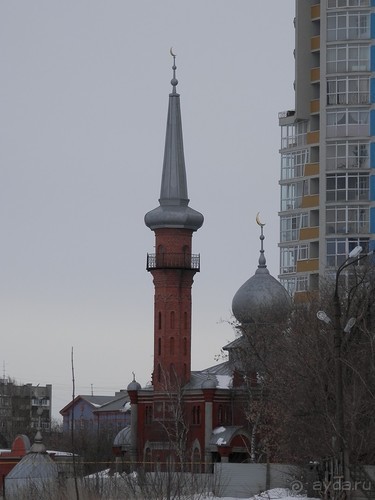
(189, 418)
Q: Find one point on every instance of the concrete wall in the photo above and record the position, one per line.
(245, 480)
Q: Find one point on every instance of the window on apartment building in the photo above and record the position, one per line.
(345, 57)
(346, 219)
(289, 284)
(293, 135)
(348, 90)
(290, 255)
(302, 283)
(338, 249)
(291, 195)
(291, 224)
(349, 121)
(293, 164)
(303, 252)
(348, 25)
(347, 187)
(347, 154)
(334, 4)
(288, 259)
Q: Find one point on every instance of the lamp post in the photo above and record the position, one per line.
(340, 444)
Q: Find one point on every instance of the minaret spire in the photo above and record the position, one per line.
(173, 210)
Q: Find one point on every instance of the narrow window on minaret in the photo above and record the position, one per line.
(171, 345)
(160, 256)
(172, 319)
(185, 346)
(159, 320)
(186, 252)
(159, 346)
(185, 320)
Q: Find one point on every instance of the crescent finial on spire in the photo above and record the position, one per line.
(174, 80)
(257, 218)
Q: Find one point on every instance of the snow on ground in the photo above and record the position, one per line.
(274, 494)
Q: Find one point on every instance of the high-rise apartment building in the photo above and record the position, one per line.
(328, 142)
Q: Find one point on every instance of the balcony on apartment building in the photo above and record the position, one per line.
(312, 169)
(315, 43)
(315, 12)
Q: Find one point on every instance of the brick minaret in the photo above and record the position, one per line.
(173, 265)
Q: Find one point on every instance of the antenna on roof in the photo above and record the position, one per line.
(92, 389)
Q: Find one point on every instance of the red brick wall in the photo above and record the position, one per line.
(172, 311)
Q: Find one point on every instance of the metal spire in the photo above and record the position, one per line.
(174, 210)
(262, 258)
(174, 183)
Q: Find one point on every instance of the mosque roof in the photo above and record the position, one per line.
(118, 404)
(123, 437)
(33, 472)
(219, 376)
(262, 298)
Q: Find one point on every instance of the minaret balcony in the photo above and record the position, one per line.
(173, 261)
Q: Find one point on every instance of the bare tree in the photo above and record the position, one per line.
(289, 373)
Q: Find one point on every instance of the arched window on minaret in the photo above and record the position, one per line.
(159, 346)
(159, 320)
(172, 319)
(171, 346)
(160, 256)
(186, 253)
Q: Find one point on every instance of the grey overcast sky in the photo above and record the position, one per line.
(83, 103)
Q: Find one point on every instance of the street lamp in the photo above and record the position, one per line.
(341, 445)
